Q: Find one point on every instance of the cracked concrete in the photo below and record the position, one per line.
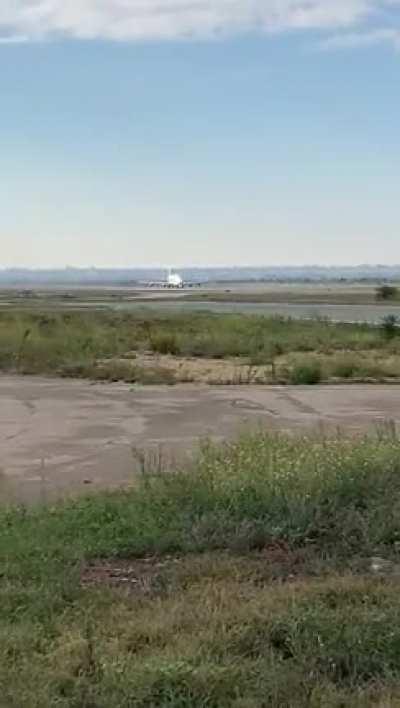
(63, 436)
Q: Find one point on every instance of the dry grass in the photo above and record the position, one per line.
(294, 368)
(204, 348)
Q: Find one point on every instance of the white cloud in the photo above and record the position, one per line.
(353, 40)
(170, 19)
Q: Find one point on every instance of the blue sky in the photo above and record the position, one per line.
(267, 132)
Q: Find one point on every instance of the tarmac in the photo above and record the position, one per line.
(60, 437)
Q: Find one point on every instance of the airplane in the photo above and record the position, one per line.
(173, 281)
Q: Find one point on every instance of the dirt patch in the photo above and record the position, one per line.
(178, 369)
(285, 564)
(336, 367)
(275, 563)
(143, 576)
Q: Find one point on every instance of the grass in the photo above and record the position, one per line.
(300, 293)
(297, 295)
(109, 346)
(243, 582)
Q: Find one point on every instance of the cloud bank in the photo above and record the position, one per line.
(129, 20)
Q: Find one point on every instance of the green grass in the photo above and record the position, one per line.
(256, 591)
(84, 343)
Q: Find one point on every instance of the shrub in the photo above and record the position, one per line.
(306, 373)
(344, 368)
(387, 292)
(164, 343)
(390, 325)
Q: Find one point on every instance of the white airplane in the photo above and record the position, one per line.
(174, 280)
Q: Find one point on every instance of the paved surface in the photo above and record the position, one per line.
(58, 436)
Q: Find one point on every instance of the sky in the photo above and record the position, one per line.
(199, 132)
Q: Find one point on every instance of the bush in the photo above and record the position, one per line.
(390, 326)
(164, 343)
(306, 373)
(387, 292)
(344, 368)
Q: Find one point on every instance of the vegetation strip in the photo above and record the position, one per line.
(266, 575)
(201, 347)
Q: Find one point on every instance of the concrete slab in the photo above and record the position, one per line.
(62, 436)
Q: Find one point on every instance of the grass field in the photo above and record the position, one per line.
(329, 293)
(267, 575)
(153, 348)
(345, 293)
(296, 295)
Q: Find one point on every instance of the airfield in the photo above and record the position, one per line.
(66, 436)
(341, 302)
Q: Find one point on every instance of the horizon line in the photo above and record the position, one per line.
(198, 266)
